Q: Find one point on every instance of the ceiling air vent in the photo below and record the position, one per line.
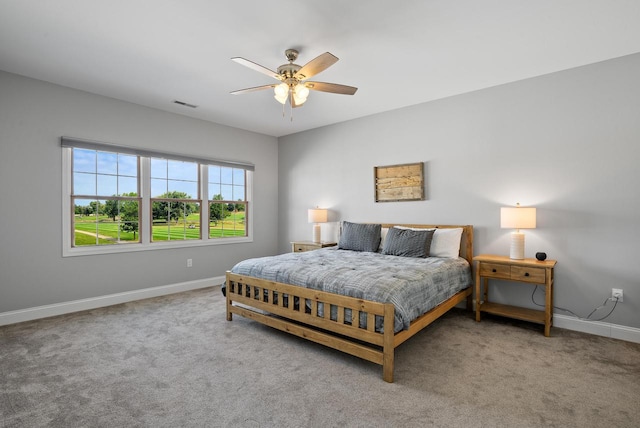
(182, 103)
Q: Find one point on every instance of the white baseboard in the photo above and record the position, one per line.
(599, 328)
(45, 311)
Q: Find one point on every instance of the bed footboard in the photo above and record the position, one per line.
(329, 319)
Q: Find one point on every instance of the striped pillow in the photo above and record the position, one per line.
(408, 242)
(360, 237)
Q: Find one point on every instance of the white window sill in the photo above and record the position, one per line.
(166, 245)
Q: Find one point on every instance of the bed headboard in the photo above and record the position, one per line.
(466, 242)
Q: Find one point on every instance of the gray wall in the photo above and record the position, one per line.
(33, 117)
(567, 143)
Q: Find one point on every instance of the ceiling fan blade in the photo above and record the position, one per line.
(256, 88)
(334, 88)
(316, 65)
(257, 67)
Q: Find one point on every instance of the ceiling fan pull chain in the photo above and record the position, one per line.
(291, 103)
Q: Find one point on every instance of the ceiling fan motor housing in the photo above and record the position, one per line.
(287, 71)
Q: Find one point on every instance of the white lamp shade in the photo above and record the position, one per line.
(317, 215)
(517, 218)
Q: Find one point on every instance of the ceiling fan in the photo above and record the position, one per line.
(293, 86)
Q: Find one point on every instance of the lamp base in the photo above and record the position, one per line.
(516, 251)
(316, 233)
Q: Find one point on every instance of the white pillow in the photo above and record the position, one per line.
(383, 235)
(445, 242)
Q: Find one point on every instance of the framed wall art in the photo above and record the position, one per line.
(399, 182)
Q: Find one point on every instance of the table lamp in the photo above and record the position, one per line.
(317, 216)
(517, 218)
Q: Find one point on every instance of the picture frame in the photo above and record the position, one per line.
(395, 183)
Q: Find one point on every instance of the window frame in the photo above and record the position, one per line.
(146, 215)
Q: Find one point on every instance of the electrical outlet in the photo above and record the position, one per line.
(616, 293)
(189, 262)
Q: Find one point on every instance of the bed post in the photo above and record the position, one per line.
(468, 254)
(388, 347)
(228, 296)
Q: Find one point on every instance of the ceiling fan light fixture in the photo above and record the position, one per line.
(281, 89)
(301, 91)
(281, 92)
(299, 101)
(300, 94)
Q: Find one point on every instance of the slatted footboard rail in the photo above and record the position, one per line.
(298, 308)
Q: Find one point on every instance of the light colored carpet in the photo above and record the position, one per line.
(175, 361)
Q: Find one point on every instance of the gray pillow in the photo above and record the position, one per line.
(360, 237)
(407, 242)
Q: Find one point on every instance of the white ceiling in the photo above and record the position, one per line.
(398, 53)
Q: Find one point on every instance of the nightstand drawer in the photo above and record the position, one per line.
(300, 248)
(528, 274)
(495, 270)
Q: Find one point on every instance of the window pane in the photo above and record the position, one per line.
(98, 173)
(94, 222)
(158, 188)
(178, 170)
(84, 223)
(226, 175)
(128, 213)
(158, 168)
(238, 193)
(100, 209)
(84, 160)
(238, 177)
(214, 191)
(84, 184)
(107, 163)
(127, 165)
(214, 174)
(227, 192)
(175, 221)
(127, 186)
(185, 189)
(174, 179)
(107, 185)
(227, 220)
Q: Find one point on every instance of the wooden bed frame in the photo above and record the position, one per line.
(254, 299)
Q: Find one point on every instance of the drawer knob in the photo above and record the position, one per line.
(493, 270)
(526, 274)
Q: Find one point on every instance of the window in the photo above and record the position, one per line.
(175, 201)
(124, 199)
(227, 202)
(104, 196)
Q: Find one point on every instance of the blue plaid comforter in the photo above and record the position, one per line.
(413, 285)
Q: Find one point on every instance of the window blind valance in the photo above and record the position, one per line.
(96, 145)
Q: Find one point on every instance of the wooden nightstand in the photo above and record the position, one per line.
(529, 271)
(302, 246)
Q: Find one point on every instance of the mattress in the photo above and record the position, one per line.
(413, 285)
